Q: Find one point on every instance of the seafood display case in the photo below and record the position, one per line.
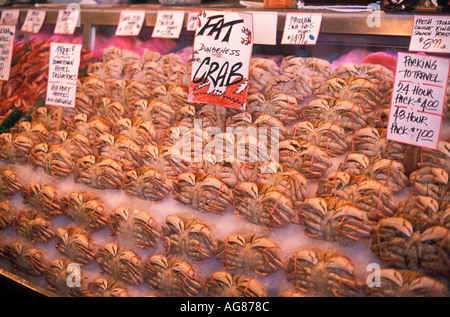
(99, 200)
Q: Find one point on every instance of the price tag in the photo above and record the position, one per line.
(222, 49)
(192, 20)
(7, 33)
(130, 22)
(33, 21)
(417, 99)
(10, 17)
(430, 33)
(168, 24)
(66, 22)
(301, 28)
(63, 74)
(265, 27)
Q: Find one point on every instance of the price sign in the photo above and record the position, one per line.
(222, 49)
(301, 28)
(130, 22)
(64, 64)
(265, 25)
(430, 34)
(10, 17)
(192, 21)
(6, 47)
(33, 21)
(66, 22)
(417, 99)
(168, 24)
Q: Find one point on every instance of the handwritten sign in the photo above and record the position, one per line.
(33, 21)
(7, 33)
(130, 22)
(417, 99)
(301, 28)
(63, 74)
(168, 24)
(10, 17)
(192, 20)
(265, 26)
(430, 33)
(222, 49)
(66, 22)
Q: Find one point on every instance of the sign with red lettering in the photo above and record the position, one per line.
(222, 50)
(418, 99)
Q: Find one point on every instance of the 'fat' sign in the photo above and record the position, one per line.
(216, 23)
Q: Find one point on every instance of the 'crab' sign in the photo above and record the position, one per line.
(222, 50)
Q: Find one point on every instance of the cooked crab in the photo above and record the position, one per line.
(376, 73)
(15, 148)
(146, 183)
(64, 277)
(109, 109)
(90, 126)
(6, 215)
(223, 284)
(159, 113)
(99, 172)
(164, 159)
(280, 105)
(55, 160)
(426, 210)
(75, 243)
(120, 148)
(85, 210)
(105, 287)
(77, 144)
(140, 130)
(262, 73)
(10, 183)
(431, 181)
(25, 257)
(172, 94)
(33, 226)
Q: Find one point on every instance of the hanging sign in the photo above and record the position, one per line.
(222, 50)
(168, 24)
(6, 47)
(66, 22)
(10, 17)
(430, 33)
(301, 28)
(192, 20)
(418, 99)
(64, 64)
(130, 22)
(33, 21)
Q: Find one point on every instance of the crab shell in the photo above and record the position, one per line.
(10, 183)
(173, 94)
(33, 226)
(25, 258)
(77, 144)
(146, 183)
(223, 284)
(426, 210)
(262, 73)
(277, 104)
(164, 159)
(59, 273)
(109, 109)
(171, 276)
(188, 238)
(75, 243)
(35, 131)
(90, 126)
(85, 210)
(431, 181)
(99, 172)
(324, 272)
(121, 148)
(252, 253)
(43, 198)
(136, 226)
(55, 160)
(105, 287)
(142, 131)
(159, 113)
(435, 158)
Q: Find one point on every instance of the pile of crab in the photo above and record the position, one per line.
(310, 150)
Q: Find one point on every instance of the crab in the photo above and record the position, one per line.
(55, 160)
(105, 287)
(90, 126)
(224, 284)
(348, 115)
(163, 159)
(43, 198)
(388, 172)
(146, 183)
(189, 238)
(254, 253)
(152, 74)
(99, 172)
(120, 148)
(75, 243)
(262, 204)
(10, 183)
(33, 226)
(263, 72)
(202, 191)
(327, 135)
(159, 113)
(171, 276)
(280, 105)
(407, 283)
(135, 90)
(435, 158)
(94, 87)
(358, 90)
(49, 117)
(64, 277)
(431, 181)
(109, 109)
(172, 94)
(334, 219)
(310, 160)
(134, 225)
(85, 210)
(142, 131)
(185, 116)
(35, 131)
(325, 272)
(414, 246)
(426, 210)
(15, 148)
(120, 263)
(77, 144)
(84, 103)
(6, 215)
(364, 193)
(25, 257)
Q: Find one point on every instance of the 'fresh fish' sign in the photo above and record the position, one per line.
(221, 59)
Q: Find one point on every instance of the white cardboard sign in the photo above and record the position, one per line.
(222, 50)
(301, 28)
(64, 64)
(192, 20)
(66, 22)
(265, 27)
(10, 17)
(168, 24)
(130, 22)
(430, 33)
(33, 21)
(7, 33)
(417, 99)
